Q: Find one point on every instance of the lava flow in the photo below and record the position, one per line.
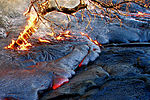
(22, 42)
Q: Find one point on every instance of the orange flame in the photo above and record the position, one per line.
(94, 41)
(141, 14)
(61, 36)
(22, 42)
(45, 41)
(51, 34)
(11, 45)
(64, 36)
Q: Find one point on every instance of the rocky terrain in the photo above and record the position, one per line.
(118, 70)
(118, 73)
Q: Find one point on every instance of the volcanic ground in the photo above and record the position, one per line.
(118, 70)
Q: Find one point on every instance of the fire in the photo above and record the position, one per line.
(63, 36)
(67, 36)
(94, 41)
(141, 14)
(51, 34)
(45, 41)
(11, 45)
(22, 42)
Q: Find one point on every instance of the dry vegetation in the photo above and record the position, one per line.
(104, 8)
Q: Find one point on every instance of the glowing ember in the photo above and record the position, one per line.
(82, 61)
(22, 42)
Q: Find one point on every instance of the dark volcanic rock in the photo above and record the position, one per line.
(24, 73)
(118, 73)
(23, 84)
(114, 75)
(127, 87)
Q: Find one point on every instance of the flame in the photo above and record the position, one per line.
(66, 36)
(61, 36)
(22, 42)
(11, 45)
(24, 46)
(141, 14)
(94, 41)
(51, 34)
(45, 41)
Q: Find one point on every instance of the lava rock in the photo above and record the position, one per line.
(113, 75)
(24, 73)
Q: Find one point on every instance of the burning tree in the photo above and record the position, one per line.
(38, 9)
